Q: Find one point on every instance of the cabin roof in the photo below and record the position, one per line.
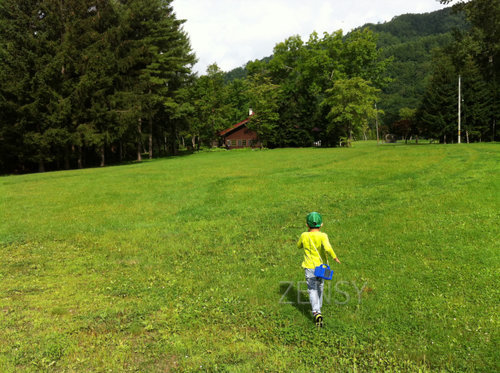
(234, 127)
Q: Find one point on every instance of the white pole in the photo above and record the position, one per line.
(459, 107)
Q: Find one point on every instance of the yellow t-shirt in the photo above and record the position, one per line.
(312, 257)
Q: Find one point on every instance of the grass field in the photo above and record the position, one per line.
(190, 263)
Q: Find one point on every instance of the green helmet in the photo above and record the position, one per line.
(314, 220)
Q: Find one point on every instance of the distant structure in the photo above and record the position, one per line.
(239, 135)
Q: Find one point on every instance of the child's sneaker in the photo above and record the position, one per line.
(318, 319)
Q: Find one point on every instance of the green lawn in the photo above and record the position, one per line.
(183, 263)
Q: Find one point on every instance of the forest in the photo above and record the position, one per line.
(95, 82)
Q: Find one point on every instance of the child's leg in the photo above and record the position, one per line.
(321, 286)
(312, 288)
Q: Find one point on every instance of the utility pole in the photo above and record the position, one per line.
(459, 106)
(376, 120)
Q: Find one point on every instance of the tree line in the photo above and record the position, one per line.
(93, 82)
(328, 89)
(427, 53)
(86, 82)
(323, 89)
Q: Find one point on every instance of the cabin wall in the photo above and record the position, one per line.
(242, 138)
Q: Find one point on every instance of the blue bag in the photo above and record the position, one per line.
(323, 271)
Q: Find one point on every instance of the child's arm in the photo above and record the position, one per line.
(329, 249)
(299, 243)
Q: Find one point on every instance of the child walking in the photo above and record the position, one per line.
(316, 247)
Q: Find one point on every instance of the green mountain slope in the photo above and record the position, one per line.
(410, 40)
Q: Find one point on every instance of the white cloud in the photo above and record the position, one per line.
(232, 32)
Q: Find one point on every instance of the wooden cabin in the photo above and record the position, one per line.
(239, 136)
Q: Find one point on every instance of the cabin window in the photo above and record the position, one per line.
(239, 142)
(233, 142)
(243, 142)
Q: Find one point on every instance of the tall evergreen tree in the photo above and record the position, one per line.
(155, 60)
(477, 102)
(437, 113)
(28, 49)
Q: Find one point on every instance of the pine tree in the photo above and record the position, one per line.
(155, 61)
(437, 113)
(477, 101)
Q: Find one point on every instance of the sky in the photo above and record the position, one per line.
(233, 32)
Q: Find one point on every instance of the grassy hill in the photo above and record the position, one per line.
(183, 263)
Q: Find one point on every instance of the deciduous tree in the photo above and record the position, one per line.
(350, 104)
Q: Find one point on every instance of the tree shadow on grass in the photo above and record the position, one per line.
(290, 295)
